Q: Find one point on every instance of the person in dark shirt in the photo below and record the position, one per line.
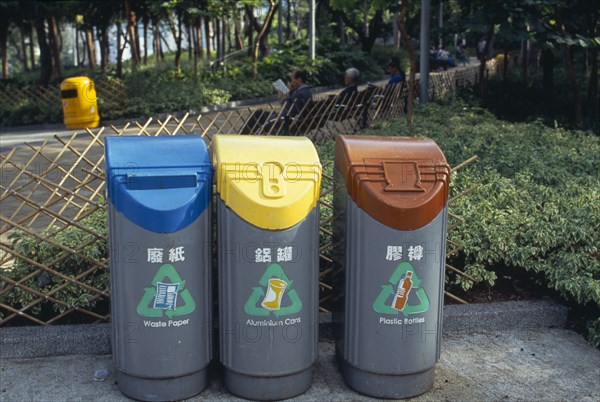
(348, 96)
(298, 96)
(396, 74)
(350, 82)
(293, 103)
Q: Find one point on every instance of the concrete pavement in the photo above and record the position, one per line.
(511, 351)
(516, 365)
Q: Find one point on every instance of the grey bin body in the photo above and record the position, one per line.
(386, 350)
(268, 257)
(160, 300)
(267, 355)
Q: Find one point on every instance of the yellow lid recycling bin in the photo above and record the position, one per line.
(268, 253)
(79, 103)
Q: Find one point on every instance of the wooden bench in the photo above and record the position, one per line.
(313, 116)
(349, 107)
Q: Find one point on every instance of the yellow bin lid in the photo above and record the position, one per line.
(271, 182)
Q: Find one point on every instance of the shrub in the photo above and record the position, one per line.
(159, 88)
(328, 67)
(381, 55)
(537, 208)
(45, 253)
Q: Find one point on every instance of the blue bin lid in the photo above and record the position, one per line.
(160, 183)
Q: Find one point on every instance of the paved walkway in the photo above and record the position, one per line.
(506, 351)
(516, 365)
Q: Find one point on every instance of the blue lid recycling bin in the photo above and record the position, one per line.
(159, 196)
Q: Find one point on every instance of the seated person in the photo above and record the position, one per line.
(351, 83)
(347, 96)
(444, 56)
(396, 74)
(434, 63)
(441, 59)
(461, 56)
(293, 103)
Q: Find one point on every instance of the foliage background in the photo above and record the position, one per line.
(538, 207)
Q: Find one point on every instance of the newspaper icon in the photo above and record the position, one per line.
(166, 296)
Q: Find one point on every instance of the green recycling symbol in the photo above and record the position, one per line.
(277, 284)
(383, 302)
(147, 306)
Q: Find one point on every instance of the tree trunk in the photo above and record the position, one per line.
(248, 30)
(146, 40)
(239, 41)
(366, 37)
(194, 38)
(23, 48)
(31, 51)
(4, 48)
(288, 21)
(280, 22)
(77, 47)
(54, 45)
(131, 29)
(207, 35)
(548, 72)
(83, 51)
(120, 49)
(227, 33)
(593, 85)
(365, 27)
(525, 60)
(199, 38)
(574, 84)
(264, 48)
(104, 47)
(298, 19)
(261, 35)
(593, 100)
(413, 62)
(396, 34)
(91, 49)
(136, 32)
(263, 30)
(342, 30)
(505, 61)
(157, 44)
(213, 34)
(178, 42)
(190, 36)
(482, 65)
(568, 60)
(219, 36)
(45, 53)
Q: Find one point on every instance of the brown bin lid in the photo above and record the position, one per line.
(401, 182)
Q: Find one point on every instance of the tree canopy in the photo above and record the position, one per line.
(48, 36)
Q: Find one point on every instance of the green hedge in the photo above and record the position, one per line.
(538, 207)
(45, 253)
(159, 88)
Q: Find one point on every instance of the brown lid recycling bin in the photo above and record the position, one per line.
(401, 182)
(391, 196)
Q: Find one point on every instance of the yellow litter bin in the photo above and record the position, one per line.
(268, 231)
(79, 103)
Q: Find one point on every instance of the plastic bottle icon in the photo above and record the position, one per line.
(272, 300)
(401, 296)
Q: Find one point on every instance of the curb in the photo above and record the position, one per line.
(94, 339)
